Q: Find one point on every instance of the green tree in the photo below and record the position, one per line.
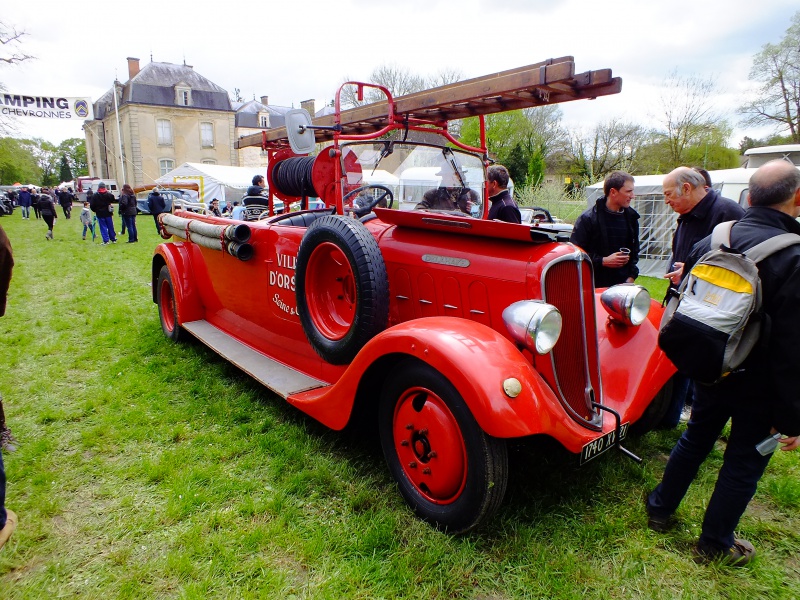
(612, 145)
(75, 151)
(777, 68)
(64, 172)
(17, 163)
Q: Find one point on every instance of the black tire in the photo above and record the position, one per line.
(655, 411)
(341, 286)
(167, 307)
(449, 471)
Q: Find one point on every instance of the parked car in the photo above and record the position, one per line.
(447, 334)
(169, 196)
(6, 205)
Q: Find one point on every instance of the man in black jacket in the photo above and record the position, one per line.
(157, 205)
(760, 398)
(700, 209)
(609, 233)
(503, 206)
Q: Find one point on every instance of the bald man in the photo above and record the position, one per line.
(699, 210)
(760, 398)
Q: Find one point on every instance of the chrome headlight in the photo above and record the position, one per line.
(534, 324)
(627, 302)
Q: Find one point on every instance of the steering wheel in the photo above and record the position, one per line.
(365, 210)
(539, 212)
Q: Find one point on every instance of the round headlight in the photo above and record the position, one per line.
(534, 324)
(627, 303)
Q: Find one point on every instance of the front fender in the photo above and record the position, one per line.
(177, 258)
(477, 360)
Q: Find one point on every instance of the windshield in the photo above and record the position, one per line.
(419, 176)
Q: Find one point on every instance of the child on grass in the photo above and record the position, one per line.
(86, 219)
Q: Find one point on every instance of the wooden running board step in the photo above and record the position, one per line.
(279, 378)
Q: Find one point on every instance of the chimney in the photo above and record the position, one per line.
(133, 67)
(265, 100)
(309, 106)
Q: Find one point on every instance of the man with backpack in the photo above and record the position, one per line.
(761, 397)
(699, 210)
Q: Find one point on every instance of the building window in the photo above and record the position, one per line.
(207, 135)
(183, 96)
(265, 121)
(166, 165)
(164, 128)
(208, 161)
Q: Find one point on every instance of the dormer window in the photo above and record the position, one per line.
(263, 120)
(183, 95)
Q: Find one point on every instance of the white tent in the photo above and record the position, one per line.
(224, 183)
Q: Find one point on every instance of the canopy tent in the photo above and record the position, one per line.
(224, 183)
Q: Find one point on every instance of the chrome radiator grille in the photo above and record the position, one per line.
(567, 285)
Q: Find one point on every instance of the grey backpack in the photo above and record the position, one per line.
(714, 320)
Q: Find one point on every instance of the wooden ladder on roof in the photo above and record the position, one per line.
(549, 82)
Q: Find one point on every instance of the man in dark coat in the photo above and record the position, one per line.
(700, 209)
(503, 206)
(761, 398)
(157, 205)
(609, 233)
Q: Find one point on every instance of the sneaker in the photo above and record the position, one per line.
(105, 243)
(11, 525)
(686, 413)
(738, 555)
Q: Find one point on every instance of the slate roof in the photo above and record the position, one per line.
(155, 85)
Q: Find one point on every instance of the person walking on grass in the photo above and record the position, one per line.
(47, 209)
(8, 520)
(101, 205)
(86, 220)
(24, 200)
(127, 210)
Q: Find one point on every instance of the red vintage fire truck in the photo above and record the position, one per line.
(448, 333)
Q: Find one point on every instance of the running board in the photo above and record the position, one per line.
(279, 378)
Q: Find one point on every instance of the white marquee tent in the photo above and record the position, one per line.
(224, 183)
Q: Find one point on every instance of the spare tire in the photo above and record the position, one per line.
(341, 286)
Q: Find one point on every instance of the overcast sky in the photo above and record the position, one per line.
(293, 51)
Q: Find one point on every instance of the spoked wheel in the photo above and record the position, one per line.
(166, 306)
(448, 469)
(342, 288)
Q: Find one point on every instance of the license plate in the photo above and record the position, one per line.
(608, 440)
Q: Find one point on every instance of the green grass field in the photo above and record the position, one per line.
(147, 469)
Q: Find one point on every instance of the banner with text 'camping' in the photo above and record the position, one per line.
(45, 107)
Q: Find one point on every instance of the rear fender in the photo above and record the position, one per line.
(176, 257)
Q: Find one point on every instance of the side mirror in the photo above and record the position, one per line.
(301, 138)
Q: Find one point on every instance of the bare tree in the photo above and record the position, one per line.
(400, 81)
(10, 39)
(777, 67)
(613, 145)
(687, 113)
(10, 54)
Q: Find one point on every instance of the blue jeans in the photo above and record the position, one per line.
(107, 229)
(90, 227)
(130, 223)
(26, 212)
(736, 399)
(682, 393)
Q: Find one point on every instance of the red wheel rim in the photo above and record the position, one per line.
(430, 446)
(330, 291)
(166, 304)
